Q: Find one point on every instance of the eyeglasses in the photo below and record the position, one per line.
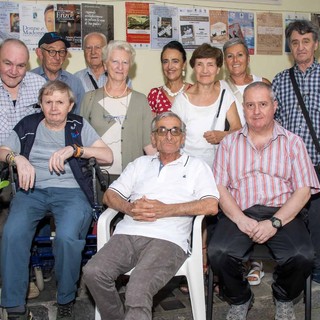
(163, 131)
(52, 53)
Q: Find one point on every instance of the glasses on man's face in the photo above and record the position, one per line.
(52, 53)
(163, 131)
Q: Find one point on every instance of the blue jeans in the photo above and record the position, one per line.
(72, 214)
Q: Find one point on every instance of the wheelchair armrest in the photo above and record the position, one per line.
(104, 225)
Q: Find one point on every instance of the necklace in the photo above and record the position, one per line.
(170, 93)
(115, 97)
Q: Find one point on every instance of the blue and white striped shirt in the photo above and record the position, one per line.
(289, 113)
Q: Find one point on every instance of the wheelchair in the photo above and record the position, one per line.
(42, 258)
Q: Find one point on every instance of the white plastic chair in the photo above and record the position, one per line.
(192, 267)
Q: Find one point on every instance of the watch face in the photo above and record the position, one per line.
(276, 223)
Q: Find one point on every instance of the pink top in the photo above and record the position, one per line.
(158, 101)
(267, 177)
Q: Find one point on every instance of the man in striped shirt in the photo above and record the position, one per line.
(302, 37)
(265, 177)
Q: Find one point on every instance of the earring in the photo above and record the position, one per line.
(183, 73)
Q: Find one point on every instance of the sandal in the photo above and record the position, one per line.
(255, 272)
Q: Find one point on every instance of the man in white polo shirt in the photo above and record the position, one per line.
(159, 195)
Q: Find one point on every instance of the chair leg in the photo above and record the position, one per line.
(307, 297)
(210, 294)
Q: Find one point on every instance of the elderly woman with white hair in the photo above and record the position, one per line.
(120, 115)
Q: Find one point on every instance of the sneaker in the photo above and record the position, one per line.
(284, 310)
(240, 311)
(65, 311)
(27, 315)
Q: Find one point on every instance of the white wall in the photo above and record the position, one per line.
(147, 72)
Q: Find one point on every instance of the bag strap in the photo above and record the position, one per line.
(304, 110)
(93, 81)
(215, 119)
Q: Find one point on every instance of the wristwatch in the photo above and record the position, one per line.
(276, 222)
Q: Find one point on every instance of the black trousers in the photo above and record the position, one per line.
(291, 247)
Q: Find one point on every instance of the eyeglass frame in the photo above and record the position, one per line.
(55, 52)
(163, 134)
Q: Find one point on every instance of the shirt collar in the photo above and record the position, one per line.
(309, 69)
(181, 160)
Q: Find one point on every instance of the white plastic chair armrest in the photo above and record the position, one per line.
(103, 230)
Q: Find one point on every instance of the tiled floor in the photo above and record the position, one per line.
(172, 304)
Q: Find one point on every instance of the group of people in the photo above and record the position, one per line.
(235, 161)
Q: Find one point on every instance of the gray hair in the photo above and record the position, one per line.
(99, 34)
(233, 42)
(168, 114)
(17, 42)
(55, 85)
(261, 85)
(120, 45)
(302, 27)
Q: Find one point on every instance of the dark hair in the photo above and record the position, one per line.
(176, 45)
(302, 27)
(48, 8)
(234, 41)
(207, 51)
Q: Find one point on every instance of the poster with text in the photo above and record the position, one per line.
(241, 25)
(315, 18)
(164, 25)
(194, 27)
(68, 23)
(218, 27)
(269, 33)
(138, 24)
(32, 24)
(97, 18)
(9, 20)
(290, 17)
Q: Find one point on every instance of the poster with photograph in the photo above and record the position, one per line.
(9, 20)
(68, 23)
(315, 18)
(269, 33)
(97, 18)
(32, 24)
(138, 24)
(218, 27)
(290, 17)
(241, 25)
(164, 25)
(194, 27)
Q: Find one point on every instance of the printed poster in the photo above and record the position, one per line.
(218, 27)
(269, 33)
(138, 24)
(241, 25)
(164, 25)
(315, 18)
(68, 23)
(290, 17)
(97, 18)
(194, 27)
(32, 24)
(9, 20)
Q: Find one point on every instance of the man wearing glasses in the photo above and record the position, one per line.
(159, 195)
(95, 75)
(52, 52)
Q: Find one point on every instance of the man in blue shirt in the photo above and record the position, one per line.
(303, 40)
(52, 52)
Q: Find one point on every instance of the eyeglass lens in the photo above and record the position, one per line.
(163, 131)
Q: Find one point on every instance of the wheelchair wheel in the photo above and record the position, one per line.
(39, 278)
